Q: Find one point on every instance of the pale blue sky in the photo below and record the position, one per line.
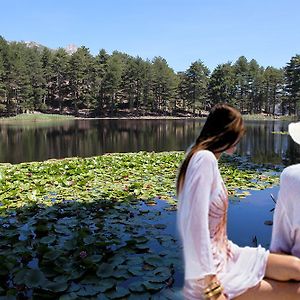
(215, 31)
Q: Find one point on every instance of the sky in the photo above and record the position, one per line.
(181, 31)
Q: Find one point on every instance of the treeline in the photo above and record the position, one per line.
(40, 79)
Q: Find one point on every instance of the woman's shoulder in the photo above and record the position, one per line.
(290, 174)
(204, 157)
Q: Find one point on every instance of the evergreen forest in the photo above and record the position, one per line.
(36, 78)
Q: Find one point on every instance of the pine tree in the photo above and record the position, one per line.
(134, 80)
(46, 62)
(99, 71)
(242, 82)
(222, 85)
(59, 66)
(112, 80)
(197, 84)
(164, 86)
(292, 76)
(4, 70)
(80, 78)
(36, 78)
(273, 87)
(255, 84)
(19, 89)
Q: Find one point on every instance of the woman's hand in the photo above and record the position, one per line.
(220, 297)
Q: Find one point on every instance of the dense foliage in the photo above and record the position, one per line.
(37, 78)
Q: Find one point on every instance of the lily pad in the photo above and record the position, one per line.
(34, 278)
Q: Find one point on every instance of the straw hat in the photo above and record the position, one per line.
(294, 131)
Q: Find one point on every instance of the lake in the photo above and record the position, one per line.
(40, 141)
(246, 217)
(84, 138)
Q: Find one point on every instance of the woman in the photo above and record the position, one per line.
(215, 268)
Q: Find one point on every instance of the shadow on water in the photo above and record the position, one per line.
(83, 250)
(113, 249)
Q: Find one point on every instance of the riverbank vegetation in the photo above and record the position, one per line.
(34, 117)
(97, 228)
(35, 78)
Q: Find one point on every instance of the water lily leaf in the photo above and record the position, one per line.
(144, 296)
(74, 287)
(121, 273)
(102, 297)
(105, 270)
(137, 286)
(142, 246)
(153, 287)
(154, 261)
(136, 270)
(141, 239)
(70, 244)
(19, 277)
(117, 260)
(88, 290)
(48, 239)
(56, 286)
(160, 226)
(118, 293)
(89, 279)
(52, 254)
(106, 284)
(70, 296)
(34, 278)
(89, 240)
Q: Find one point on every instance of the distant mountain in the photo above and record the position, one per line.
(31, 44)
(70, 49)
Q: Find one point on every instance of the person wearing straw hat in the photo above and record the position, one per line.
(286, 221)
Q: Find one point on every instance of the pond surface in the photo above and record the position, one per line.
(84, 138)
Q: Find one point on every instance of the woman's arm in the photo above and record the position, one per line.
(193, 216)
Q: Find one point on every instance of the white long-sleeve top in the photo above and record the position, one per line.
(286, 221)
(202, 224)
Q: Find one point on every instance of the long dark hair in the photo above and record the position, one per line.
(223, 128)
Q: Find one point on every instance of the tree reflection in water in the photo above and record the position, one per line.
(41, 141)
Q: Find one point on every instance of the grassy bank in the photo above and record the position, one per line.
(36, 117)
(262, 117)
(97, 228)
(40, 117)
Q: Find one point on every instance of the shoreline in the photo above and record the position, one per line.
(40, 117)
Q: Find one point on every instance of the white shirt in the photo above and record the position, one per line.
(202, 220)
(286, 224)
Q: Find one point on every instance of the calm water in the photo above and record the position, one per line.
(41, 141)
(246, 218)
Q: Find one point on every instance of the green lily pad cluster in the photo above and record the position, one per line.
(280, 132)
(241, 175)
(122, 177)
(97, 228)
(96, 250)
(115, 176)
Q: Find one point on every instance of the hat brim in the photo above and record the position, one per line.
(294, 131)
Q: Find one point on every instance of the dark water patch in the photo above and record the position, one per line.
(247, 218)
